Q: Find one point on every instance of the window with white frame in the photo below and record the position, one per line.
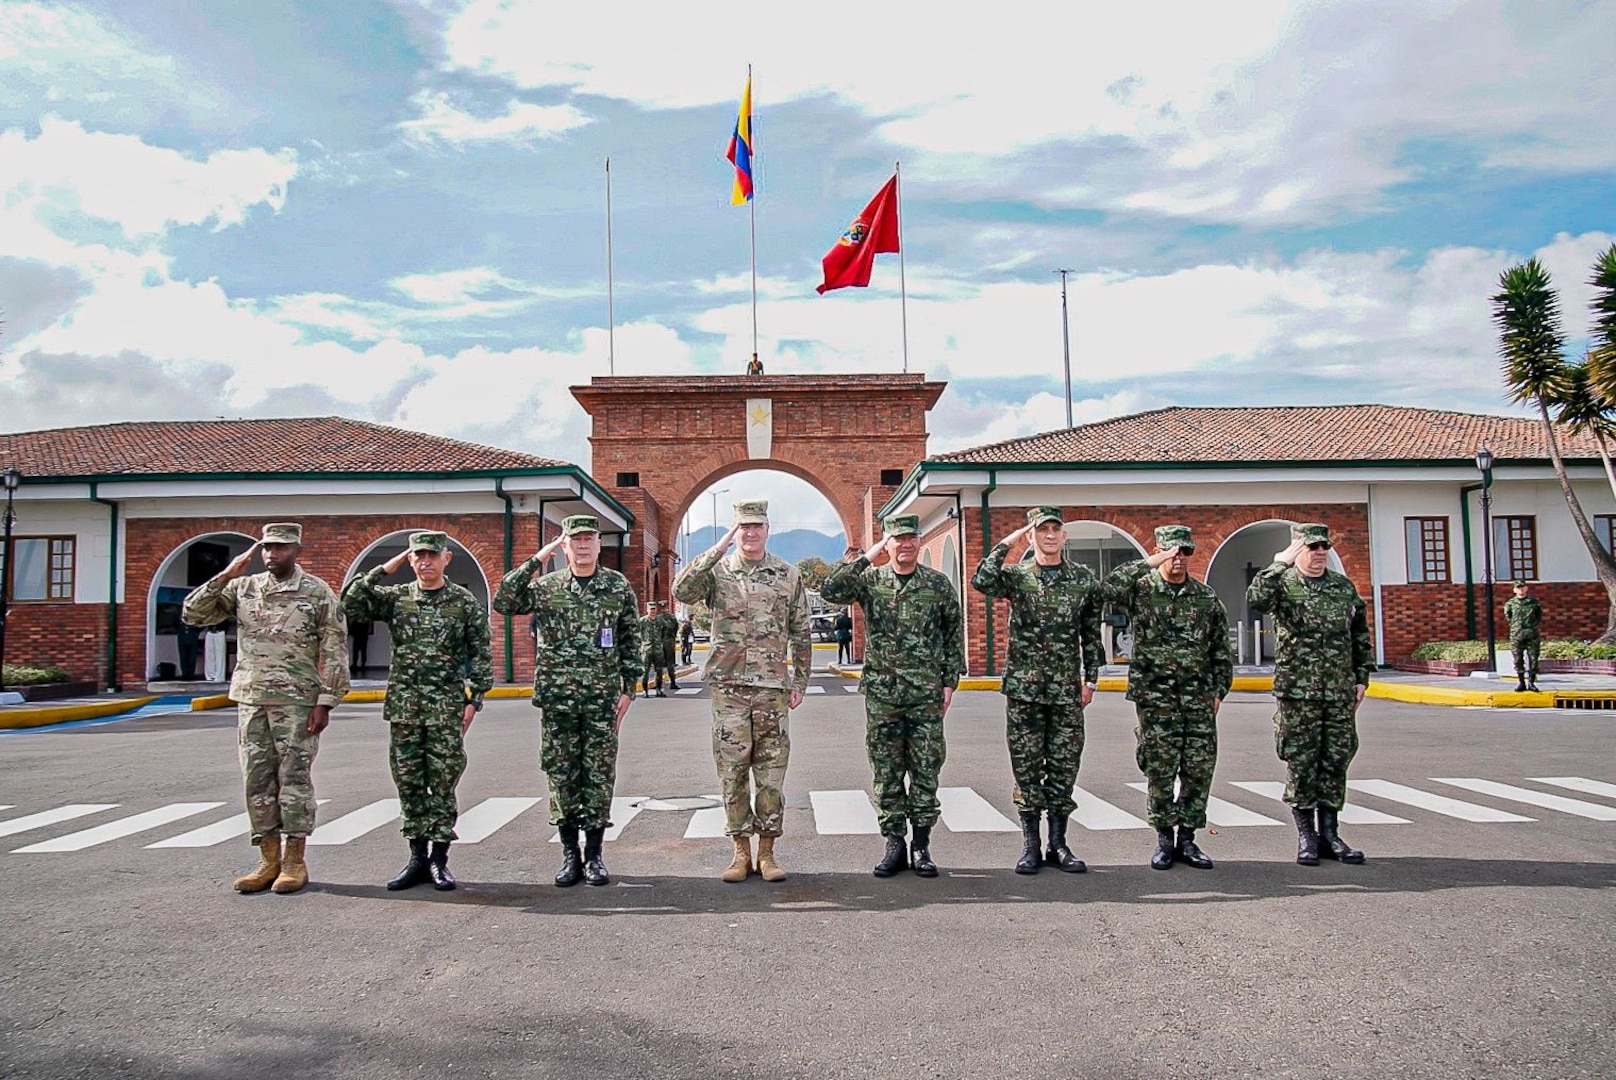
(41, 568)
(1426, 548)
(1515, 548)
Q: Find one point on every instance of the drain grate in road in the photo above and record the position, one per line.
(1585, 701)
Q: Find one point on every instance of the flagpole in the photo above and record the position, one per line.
(903, 287)
(751, 206)
(611, 317)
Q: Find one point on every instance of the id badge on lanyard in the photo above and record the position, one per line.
(606, 638)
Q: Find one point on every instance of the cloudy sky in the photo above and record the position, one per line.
(395, 210)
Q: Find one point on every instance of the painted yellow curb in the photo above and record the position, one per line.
(211, 701)
(1416, 694)
(61, 714)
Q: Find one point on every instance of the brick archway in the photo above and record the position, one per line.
(658, 442)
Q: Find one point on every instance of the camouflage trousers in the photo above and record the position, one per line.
(1525, 651)
(751, 746)
(905, 740)
(1177, 748)
(660, 663)
(1046, 746)
(427, 760)
(277, 754)
(578, 753)
(1316, 740)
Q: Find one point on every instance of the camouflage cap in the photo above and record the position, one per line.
(429, 541)
(1521, 583)
(580, 523)
(1040, 514)
(901, 525)
(1168, 536)
(1311, 533)
(752, 512)
(282, 532)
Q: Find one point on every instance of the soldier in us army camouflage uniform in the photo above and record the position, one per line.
(1322, 661)
(650, 651)
(583, 678)
(757, 670)
(1525, 617)
(1178, 676)
(442, 665)
(1049, 677)
(291, 671)
(914, 657)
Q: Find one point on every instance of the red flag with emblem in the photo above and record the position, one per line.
(875, 230)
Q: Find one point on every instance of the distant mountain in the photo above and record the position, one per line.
(792, 545)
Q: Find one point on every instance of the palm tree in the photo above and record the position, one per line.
(1602, 348)
(1582, 410)
(1527, 314)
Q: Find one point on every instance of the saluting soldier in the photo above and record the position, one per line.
(583, 678)
(291, 670)
(757, 670)
(442, 664)
(1525, 617)
(1322, 661)
(913, 658)
(1050, 676)
(1178, 676)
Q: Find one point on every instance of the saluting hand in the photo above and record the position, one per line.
(1162, 557)
(238, 565)
(1290, 554)
(727, 539)
(1019, 535)
(391, 565)
(880, 551)
(550, 549)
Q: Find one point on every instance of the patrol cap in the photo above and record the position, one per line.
(901, 525)
(752, 512)
(579, 523)
(1168, 536)
(283, 532)
(429, 541)
(1311, 533)
(1040, 514)
(1521, 583)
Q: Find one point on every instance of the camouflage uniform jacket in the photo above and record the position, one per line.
(1525, 617)
(1180, 635)
(650, 637)
(291, 636)
(1322, 647)
(1054, 626)
(913, 641)
(440, 646)
(667, 630)
(588, 633)
(760, 619)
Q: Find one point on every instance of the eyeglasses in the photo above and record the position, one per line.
(1322, 545)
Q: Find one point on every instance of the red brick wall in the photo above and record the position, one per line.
(70, 636)
(1415, 614)
(1212, 525)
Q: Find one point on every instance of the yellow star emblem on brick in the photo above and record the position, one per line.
(758, 414)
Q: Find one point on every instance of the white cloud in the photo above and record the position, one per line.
(522, 122)
(59, 52)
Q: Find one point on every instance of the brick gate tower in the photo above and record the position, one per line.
(658, 442)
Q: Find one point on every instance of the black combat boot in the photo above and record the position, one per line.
(895, 858)
(1520, 686)
(1166, 850)
(572, 864)
(1307, 840)
(437, 865)
(1331, 846)
(1058, 854)
(594, 868)
(414, 871)
(920, 852)
(1031, 858)
(1191, 852)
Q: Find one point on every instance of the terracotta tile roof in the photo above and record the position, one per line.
(1282, 434)
(320, 444)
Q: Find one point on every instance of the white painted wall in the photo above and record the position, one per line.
(88, 523)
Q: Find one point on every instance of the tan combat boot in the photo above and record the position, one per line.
(294, 872)
(269, 866)
(771, 870)
(741, 865)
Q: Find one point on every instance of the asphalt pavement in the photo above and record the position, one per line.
(1463, 948)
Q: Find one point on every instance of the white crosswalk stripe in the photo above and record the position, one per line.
(114, 830)
(1095, 813)
(1223, 813)
(1351, 814)
(1437, 804)
(814, 689)
(625, 808)
(52, 817)
(851, 689)
(352, 826)
(1531, 798)
(686, 691)
(217, 833)
(706, 823)
(1577, 783)
(966, 811)
(843, 813)
(489, 816)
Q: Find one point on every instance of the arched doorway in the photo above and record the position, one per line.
(370, 645)
(187, 566)
(1102, 547)
(1245, 551)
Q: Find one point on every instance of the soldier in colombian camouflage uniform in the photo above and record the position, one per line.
(442, 665)
(292, 669)
(583, 678)
(757, 668)
(1322, 661)
(650, 651)
(914, 655)
(1178, 676)
(668, 635)
(1049, 677)
(1525, 617)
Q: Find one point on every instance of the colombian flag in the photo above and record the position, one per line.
(740, 148)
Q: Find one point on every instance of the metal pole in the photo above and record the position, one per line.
(1487, 575)
(903, 282)
(1066, 341)
(12, 479)
(611, 316)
